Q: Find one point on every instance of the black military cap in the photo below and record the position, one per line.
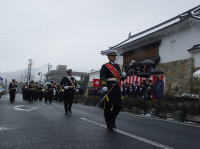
(13, 80)
(69, 71)
(112, 53)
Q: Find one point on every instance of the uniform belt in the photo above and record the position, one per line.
(70, 86)
(112, 79)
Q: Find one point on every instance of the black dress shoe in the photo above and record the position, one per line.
(66, 113)
(113, 125)
(70, 111)
(110, 129)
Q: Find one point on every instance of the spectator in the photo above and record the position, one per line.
(159, 88)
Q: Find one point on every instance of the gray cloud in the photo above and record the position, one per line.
(74, 32)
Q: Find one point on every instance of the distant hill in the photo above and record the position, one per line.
(17, 75)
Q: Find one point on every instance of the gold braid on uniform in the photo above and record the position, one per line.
(103, 82)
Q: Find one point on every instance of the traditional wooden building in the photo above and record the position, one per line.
(93, 75)
(173, 45)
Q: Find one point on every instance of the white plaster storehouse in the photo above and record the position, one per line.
(93, 75)
(174, 45)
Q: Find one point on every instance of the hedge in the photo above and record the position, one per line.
(164, 108)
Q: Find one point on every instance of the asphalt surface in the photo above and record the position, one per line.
(45, 126)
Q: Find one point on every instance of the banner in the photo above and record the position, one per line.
(96, 83)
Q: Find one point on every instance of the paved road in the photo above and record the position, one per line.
(44, 126)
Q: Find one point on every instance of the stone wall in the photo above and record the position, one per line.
(178, 76)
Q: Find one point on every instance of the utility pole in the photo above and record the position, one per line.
(25, 77)
(49, 66)
(29, 70)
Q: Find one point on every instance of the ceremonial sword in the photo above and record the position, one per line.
(106, 94)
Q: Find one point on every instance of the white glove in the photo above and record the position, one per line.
(77, 90)
(66, 87)
(104, 89)
(123, 74)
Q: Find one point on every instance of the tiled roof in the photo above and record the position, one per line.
(195, 47)
(193, 13)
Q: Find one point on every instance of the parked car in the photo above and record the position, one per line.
(2, 92)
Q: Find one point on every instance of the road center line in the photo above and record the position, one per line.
(130, 135)
(159, 119)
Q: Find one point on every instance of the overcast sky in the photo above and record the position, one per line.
(73, 32)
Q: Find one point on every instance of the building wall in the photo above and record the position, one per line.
(196, 40)
(178, 76)
(62, 68)
(177, 62)
(56, 77)
(94, 75)
(175, 46)
(196, 34)
(196, 57)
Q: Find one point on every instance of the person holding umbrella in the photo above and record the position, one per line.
(159, 88)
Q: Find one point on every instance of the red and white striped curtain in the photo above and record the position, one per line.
(131, 79)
